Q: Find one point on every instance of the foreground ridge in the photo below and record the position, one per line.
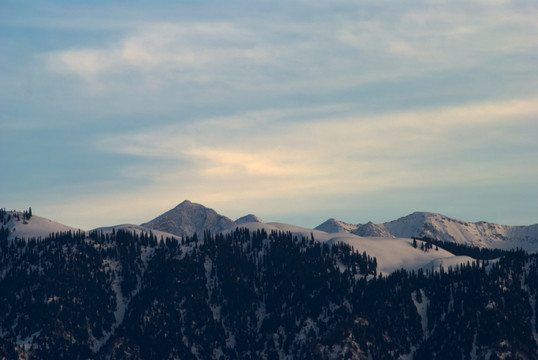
(244, 294)
(258, 290)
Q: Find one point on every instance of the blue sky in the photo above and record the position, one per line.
(297, 111)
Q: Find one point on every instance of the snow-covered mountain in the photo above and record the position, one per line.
(189, 218)
(441, 227)
(482, 234)
(389, 242)
(393, 252)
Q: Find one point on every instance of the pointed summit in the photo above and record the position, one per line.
(336, 226)
(189, 218)
(250, 218)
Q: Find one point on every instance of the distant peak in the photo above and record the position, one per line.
(418, 215)
(189, 205)
(332, 220)
(186, 203)
(334, 226)
(248, 219)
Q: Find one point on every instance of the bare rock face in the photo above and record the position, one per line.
(188, 219)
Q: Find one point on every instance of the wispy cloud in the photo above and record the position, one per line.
(159, 53)
(341, 51)
(347, 154)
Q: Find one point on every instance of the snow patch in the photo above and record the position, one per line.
(422, 307)
(26, 343)
(308, 327)
(121, 305)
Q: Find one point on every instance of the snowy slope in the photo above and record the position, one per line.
(398, 253)
(391, 253)
(35, 227)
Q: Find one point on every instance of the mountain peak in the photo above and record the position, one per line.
(335, 226)
(187, 204)
(249, 219)
(189, 218)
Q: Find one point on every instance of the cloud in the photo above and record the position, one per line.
(259, 162)
(442, 36)
(336, 155)
(318, 128)
(161, 52)
(343, 50)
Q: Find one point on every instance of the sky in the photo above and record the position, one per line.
(116, 111)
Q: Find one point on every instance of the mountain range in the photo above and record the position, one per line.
(188, 218)
(443, 228)
(388, 242)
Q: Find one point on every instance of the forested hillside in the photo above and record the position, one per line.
(253, 295)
